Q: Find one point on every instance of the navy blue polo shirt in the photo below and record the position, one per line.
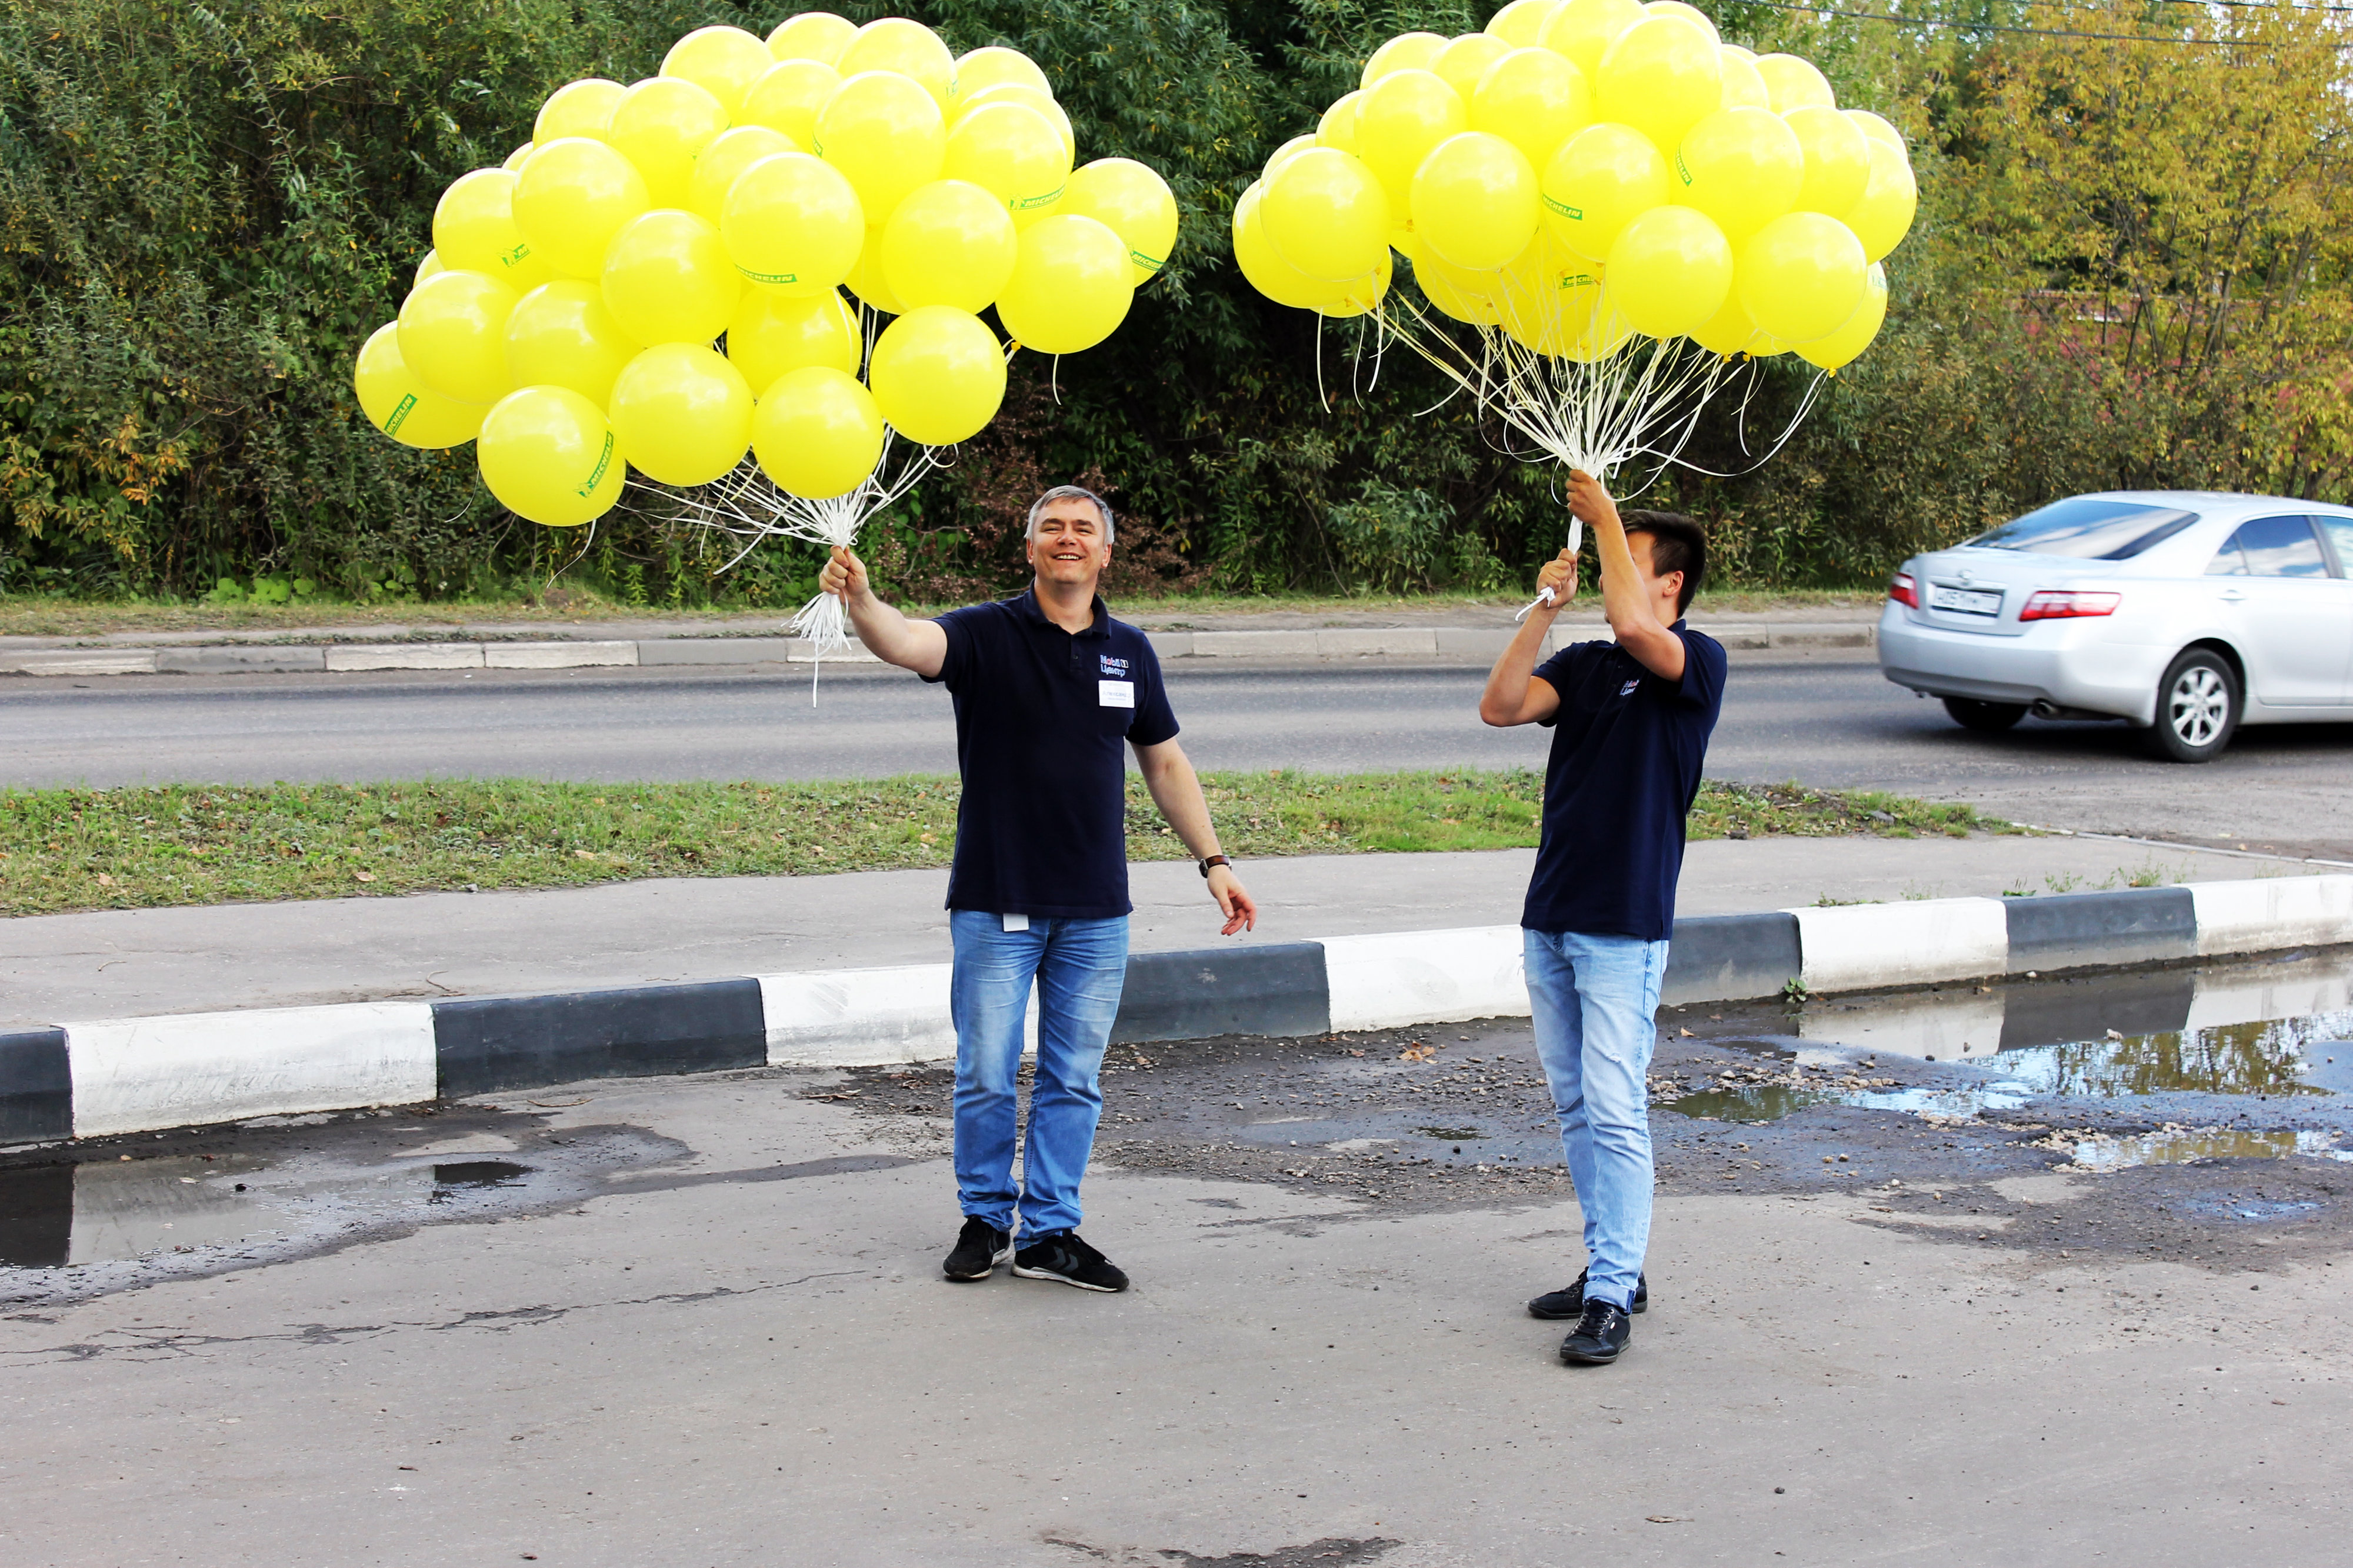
(1627, 747)
(1044, 720)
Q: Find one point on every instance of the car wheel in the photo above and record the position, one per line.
(2197, 707)
(1988, 718)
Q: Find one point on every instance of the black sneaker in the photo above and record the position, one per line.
(1602, 1331)
(1563, 1305)
(980, 1248)
(1061, 1255)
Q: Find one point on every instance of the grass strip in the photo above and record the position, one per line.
(150, 846)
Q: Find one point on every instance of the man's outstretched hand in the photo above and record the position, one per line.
(844, 574)
(1234, 900)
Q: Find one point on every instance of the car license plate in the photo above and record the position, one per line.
(1965, 601)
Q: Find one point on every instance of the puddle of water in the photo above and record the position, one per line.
(2180, 1146)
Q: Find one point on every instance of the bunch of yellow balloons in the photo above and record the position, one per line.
(655, 279)
(1581, 171)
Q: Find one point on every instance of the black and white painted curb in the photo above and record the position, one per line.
(130, 1075)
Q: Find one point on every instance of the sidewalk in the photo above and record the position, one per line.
(120, 964)
(1454, 632)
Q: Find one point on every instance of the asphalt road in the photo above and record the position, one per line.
(1828, 720)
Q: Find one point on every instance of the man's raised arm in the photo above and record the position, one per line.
(919, 645)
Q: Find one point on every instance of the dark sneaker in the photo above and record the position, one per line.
(1061, 1255)
(980, 1248)
(1563, 1305)
(1602, 1331)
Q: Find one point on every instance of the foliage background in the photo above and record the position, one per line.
(2130, 268)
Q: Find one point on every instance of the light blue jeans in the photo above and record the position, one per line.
(1079, 967)
(1595, 1001)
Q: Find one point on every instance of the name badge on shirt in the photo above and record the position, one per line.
(1115, 693)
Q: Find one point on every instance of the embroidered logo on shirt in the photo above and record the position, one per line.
(1628, 690)
(1111, 668)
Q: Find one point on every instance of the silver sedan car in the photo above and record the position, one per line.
(2183, 613)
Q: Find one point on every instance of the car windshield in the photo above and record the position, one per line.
(2089, 528)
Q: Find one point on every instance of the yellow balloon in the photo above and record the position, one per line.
(1742, 167)
(818, 35)
(548, 453)
(1801, 275)
(1466, 298)
(1135, 203)
(1033, 98)
(792, 224)
(1404, 115)
(1881, 216)
(1407, 51)
(1284, 154)
(950, 243)
(1728, 332)
(570, 197)
(682, 413)
(910, 48)
(1794, 83)
(1743, 88)
(1521, 23)
(868, 282)
(661, 124)
(773, 333)
(884, 133)
(1692, 14)
(1535, 99)
(1475, 201)
(1595, 185)
(722, 61)
(1670, 271)
(583, 108)
(1267, 271)
(731, 154)
(1464, 60)
(426, 268)
(786, 97)
(668, 279)
(561, 335)
(453, 330)
(399, 404)
(1838, 159)
(1839, 349)
(1071, 286)
(817, 432)
(513, 160)
(1662, 76)
(1012, 152)
(1326, 214)
(1365, 294)
(1580, 30)
(1337, 127)
(1878, 130)
(938, 374)
(983, 68)
(474, 230)
(1546, 298)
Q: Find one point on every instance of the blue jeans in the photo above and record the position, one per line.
(1079, 967)
(1595, 1001)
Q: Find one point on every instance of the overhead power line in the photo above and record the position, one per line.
(2038, 32)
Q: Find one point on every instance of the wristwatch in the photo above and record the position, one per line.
(1213, 860)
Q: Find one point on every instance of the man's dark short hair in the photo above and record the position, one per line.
(1676, 545)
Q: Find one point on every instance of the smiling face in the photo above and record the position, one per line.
(1068, 547)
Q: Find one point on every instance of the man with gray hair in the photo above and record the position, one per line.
(1047, 688)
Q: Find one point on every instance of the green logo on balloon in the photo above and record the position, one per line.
(399, 413)
(1681, 168)
(769, 277)
(1149, 263)
(1578, 280)
(597, 475)
(1565, 210)
(517, 257)
(1048, 200)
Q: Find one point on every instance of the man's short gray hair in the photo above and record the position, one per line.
(1068, 492)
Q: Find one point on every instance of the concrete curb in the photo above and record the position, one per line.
(1478, 644)
(127, 1075)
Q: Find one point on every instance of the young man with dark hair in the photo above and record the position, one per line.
(1630, 723)
(1049, 692)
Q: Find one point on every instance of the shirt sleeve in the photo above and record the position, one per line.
(1155, 721)
(1705, 665)
(1559, 672)
(957, 666)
